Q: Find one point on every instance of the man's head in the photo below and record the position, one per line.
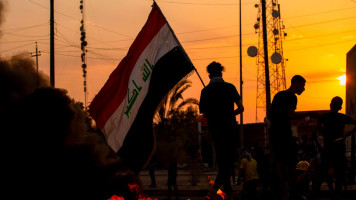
(298, 84)
(215, 69)
(336, 103)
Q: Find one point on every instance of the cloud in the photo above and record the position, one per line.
(322, 76)
(2, 10)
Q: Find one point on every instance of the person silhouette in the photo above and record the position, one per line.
(151, 170)
(284, 148)
(217, 103)
(248, 172)
(333, 157)
(172, 173)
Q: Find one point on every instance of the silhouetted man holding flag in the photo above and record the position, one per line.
(217, 103)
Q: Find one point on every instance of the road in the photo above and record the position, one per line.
(197, 192)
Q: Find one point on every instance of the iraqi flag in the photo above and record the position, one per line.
(124, 108)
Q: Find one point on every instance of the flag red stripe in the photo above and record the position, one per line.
(108, 99)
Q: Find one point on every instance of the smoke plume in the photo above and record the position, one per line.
(18, 78)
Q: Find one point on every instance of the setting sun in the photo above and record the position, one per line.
(342, 79)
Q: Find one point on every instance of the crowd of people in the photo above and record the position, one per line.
(291, 165)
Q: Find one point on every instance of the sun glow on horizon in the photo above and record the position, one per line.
(342, 79)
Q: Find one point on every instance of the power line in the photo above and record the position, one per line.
(321, 45)
(184, 32)
(62, 36)
(90, 23)
(97, 58)
(100, 55)
(32, 36)
(109, 49)
(23, 28)
(319, 13)
(115, 48)
(321, 35)
(106, 29)
(205, 4)
(215, 58)
(89, 37)
(203, 30)
(11, 42)
(214, 47)
(215, 38)
(42, 6)
(323, 22)
(17, 47)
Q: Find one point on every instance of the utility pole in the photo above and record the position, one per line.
(52, 43)
(241, 83)
(265, 45)
(37, 53)
(270, 76)
(265, 48)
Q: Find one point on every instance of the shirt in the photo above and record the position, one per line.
(333, 126)
(282, 103)
(217, 102)
(250, 167)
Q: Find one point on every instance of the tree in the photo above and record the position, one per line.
(170, 109)
(82, 112)
(175, 123)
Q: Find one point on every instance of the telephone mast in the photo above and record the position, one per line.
(269, 17)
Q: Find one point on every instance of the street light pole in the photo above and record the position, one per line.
(241, 83)
(52, 43)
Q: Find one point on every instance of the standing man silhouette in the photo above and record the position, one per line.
(217, 103)
(284, 149)
(334, 159)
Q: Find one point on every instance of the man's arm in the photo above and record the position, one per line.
(294, 115)
(202, 104)
(297, 115)
(240, 108)
(350, 121)
(350, 133)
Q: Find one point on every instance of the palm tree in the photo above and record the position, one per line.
(172, 105)
(173, 123)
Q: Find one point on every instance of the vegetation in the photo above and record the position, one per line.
(175, 126)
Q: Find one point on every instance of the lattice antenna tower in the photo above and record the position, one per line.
(83, 45)
(277, 62)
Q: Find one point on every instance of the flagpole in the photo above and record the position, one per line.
(175, 37)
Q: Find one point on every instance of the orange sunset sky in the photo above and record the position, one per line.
(320, 33)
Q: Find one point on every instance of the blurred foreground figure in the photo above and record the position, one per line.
(217, 103)
(54, 156)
